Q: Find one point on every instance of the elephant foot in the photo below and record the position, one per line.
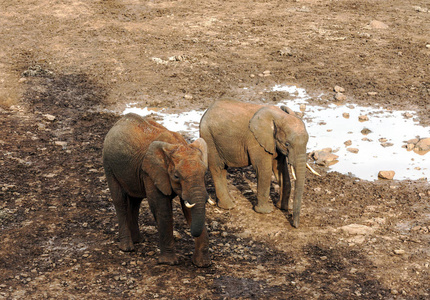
(126, 246)
(226, 204)
(137, 239)
(282, 205)
(265, 208)
(201, 260)
(167, 259)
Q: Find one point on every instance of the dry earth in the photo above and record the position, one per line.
(82, 61)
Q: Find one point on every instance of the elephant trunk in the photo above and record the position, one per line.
(300, 169)
(198, 212)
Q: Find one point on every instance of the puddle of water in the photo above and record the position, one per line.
(328, 128)
(185, 122)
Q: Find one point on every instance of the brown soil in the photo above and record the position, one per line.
(80, 60)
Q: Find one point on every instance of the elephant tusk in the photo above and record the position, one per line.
(312, 170)
(188, 205)
(211, 201)
(293, 173)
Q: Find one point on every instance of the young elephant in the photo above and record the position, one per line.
(240, 134)
(142, 159)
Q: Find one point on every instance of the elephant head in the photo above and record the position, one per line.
(281, 132)
(180, 169)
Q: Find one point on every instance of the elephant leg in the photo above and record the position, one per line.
(120, 202)
(161, 206)
(133, 218)
(219, 176)
(201, 257)
(284, 182)
(264, 176)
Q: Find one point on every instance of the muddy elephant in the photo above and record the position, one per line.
(266, 137)
(142, 159)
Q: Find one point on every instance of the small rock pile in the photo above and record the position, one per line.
(324, 157)
(418, 144)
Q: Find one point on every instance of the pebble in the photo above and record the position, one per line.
(338, 89)
(378, 25)
(421, 9)
(386, 175)
(372, 93)
(339, 97)
(188, 97)
(366, 131)
(49, 117)
(363, 118)
(348, 143)
(302, 107)
(352, 150)
(399, 252)
(345, 115)
(177, 235)
(286, 51)
(357, 229)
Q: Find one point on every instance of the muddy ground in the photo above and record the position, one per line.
(67, 69)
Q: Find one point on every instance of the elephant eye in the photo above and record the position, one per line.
(176, 176)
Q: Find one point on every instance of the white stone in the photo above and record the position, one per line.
(357, 229)
(386, 174)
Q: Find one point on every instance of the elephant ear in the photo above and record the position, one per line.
(263, 127)
(156, 163)
(288, 110)
(202, 146)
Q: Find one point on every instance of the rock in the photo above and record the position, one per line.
(49, 117)
(382, 140)
(413, 141)
(339, 97)
(366, 131)
(352, 150)
(188, 97)
(386, 175)
(266, 73)
(387, 144)
(286, 51)
(378, 25)
(399, 252)
(177, 235)
(357, 239)
(423, 145)
(61, 144)
(324, 157)
(348, 143)
(407, 115)
(363, 118)
(357, 229)
(302, 107)
(421, 9)
(338, 89)
(345, 115)
(372, 93)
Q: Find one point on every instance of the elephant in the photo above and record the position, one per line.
(142, 159)
(269, 138)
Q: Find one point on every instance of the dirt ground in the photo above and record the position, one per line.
(67, 69)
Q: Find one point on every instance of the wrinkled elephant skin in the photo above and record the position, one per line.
(142, 159)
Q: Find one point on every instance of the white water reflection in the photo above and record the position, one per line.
(328, 127)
